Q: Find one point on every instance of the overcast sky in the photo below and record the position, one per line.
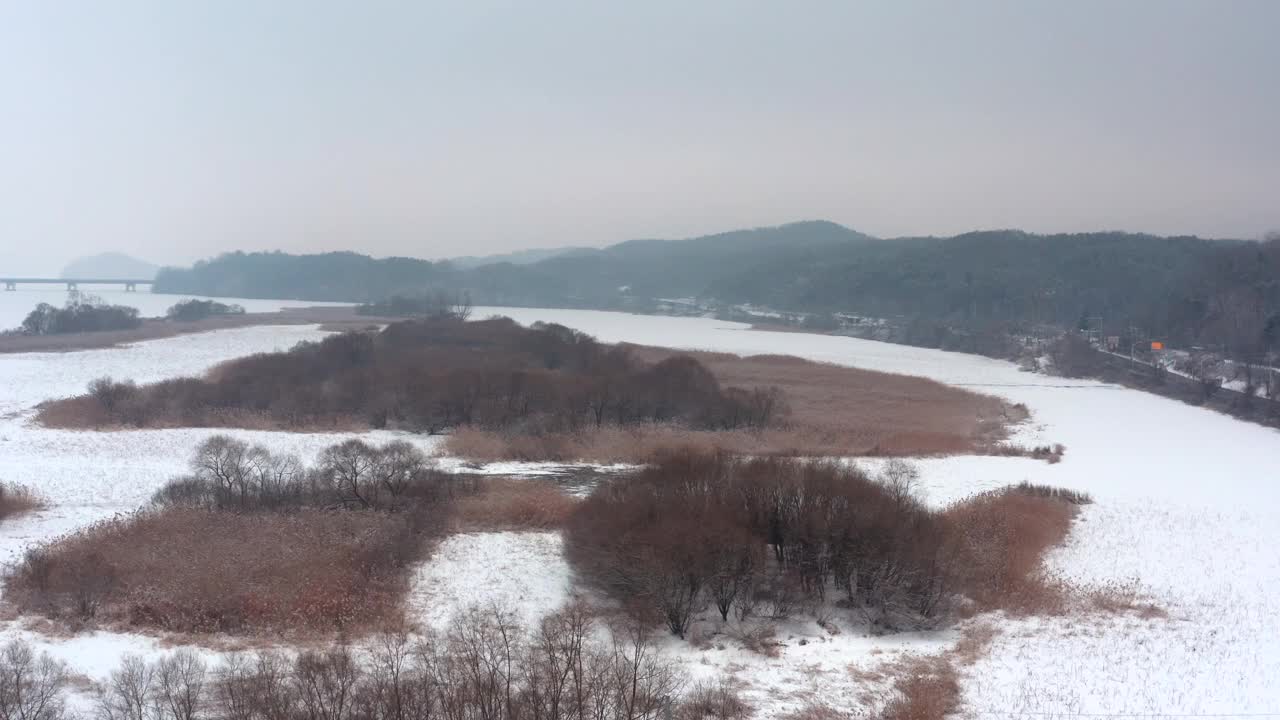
(174, 130)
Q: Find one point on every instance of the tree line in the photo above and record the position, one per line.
(968, 292)
(81, 313)
(486, 666)
(439, 373)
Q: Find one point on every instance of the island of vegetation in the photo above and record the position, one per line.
(500, 390)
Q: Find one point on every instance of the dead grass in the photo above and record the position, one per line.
(204, 571)
(16, 500)
(509, 503)
(850, 409)
(817, 711)
(928, 688)
(304, 574)
(1074, 497)
(759, 638)
(720, 700)
(1122, 598)
(84, 412)
(1003, 537)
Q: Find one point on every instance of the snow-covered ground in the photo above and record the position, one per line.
(525, 572)
(1186, 506)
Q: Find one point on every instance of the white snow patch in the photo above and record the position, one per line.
(525, 572)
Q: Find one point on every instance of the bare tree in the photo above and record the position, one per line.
(399, 466)
(127, 692)
(351, 466)
(31, 686)
(179, 686)
(326, 684)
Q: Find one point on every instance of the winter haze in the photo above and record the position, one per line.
(174, 131)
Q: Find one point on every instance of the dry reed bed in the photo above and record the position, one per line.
(300, 573)
(17, 500)
(187, 570)
(833, 411)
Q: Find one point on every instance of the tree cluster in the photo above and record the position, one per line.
(762, 537)
(443, 373)
(771, 537)
(192, 310)
(80, 314)
(438, 304)
(230, 475)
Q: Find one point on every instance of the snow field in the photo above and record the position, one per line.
(1185, 506)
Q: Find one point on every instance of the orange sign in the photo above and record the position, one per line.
(1157, 345)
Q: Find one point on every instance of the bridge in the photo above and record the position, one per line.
(130, 285)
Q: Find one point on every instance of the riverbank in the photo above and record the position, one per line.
(335, 319)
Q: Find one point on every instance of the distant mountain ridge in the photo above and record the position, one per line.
(110, 265)
(995, 283)
(517, 257)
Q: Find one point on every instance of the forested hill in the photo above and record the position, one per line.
(578, 276)
(1180, 288)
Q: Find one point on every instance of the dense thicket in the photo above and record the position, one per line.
(189, 310)
(772, 537)
(965, 292)
(440, 373)
(79, 315)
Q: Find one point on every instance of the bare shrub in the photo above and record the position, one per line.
(759, 638)
(17, 499)
(719, 700)
(926, 689)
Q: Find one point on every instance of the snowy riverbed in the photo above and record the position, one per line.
(1185, 507)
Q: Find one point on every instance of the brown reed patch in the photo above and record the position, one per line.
(17, 499)
(1001, 538)
(512, 503)
(203, 571)
(832, 411)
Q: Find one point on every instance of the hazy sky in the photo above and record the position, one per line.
(174, 129)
